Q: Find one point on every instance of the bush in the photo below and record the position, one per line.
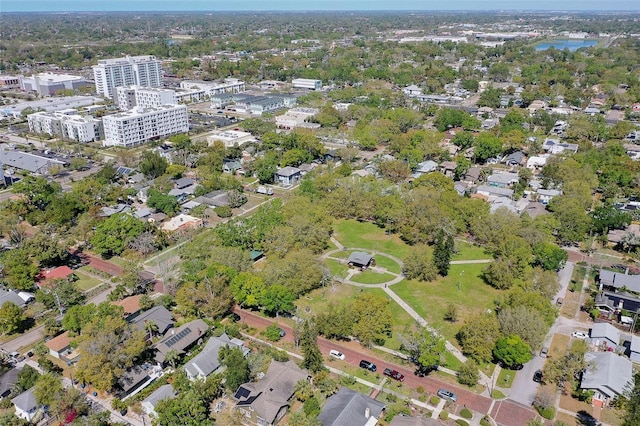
(548, 412)
(434, 400)
(485, 421)
(420, 389)
(272, 333)
(466, 413)
(468, 374)
(311, 407)
(444, 415)
(462, 422)
(223, 211)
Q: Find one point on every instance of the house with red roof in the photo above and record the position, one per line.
(47, 276)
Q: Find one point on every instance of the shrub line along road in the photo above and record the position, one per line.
(509, 412)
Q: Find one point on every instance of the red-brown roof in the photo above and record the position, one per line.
(130, 304)
(59, 343)
(57, 273)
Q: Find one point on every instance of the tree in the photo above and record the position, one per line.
(272, 333)
(549, 256)
(336, 322)
(313, 360)
(394, 170)
(167, 204)
(27, 378)
(11, 318)
(451, 314)
(114, 234)
(47, 251)
(78, 316)
(152, 165)
(372, 318)
(18, 269)
(564, 369)
(171, 357)
(468, 374)
(108, 346)
(425, 347)
(512, 350)
(524, 322)
(187, 410)
(487, 146)
(278, 299)
(48, 389)
(237, 371)
(442, 252)
(419, 264)
(478, 336)
(632, 405)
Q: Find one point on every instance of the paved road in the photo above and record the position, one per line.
(524, 388)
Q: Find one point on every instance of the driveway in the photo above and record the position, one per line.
(524, 388)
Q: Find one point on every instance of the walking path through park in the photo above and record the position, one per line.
(386, 286)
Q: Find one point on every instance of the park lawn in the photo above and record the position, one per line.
(430, 300)
(371, 277)
(505, 378)
(467, 251)
(342, 254)
(365, 235)
(337, 269)
(86, 282)
(388, 263)
(401, 319)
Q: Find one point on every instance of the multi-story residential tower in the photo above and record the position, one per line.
(132, 70)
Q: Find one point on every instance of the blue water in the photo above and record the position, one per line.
(561, 44)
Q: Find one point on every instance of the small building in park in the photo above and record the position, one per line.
(360, 259)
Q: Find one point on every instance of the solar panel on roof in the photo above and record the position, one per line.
(175, 339)
(242, 393)
(124, 170)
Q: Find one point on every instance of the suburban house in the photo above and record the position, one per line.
(213, 199)
(617, 281)
(503, 180)
(206, 362)
(26, 405)
(546, 195)
(60, 347)
(288, 176)
(424, 168)
(494, 191)
(159, 315)
(162, 393)
(231, 166)
(359, 259)
(48, 275)
(515, 159)
(349, 407)
(448, 168)
(554, 146)
(608, 374)
(267, 401)
(137, 378)
(181, 338)
(414, 421)
(181, 222)
(537, 162)
(13, 297)
(634, 349)
(6, 382)
(131, 304)
(605, 335)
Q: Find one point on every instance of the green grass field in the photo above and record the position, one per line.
(337, 269)
(467, 251)
(352, 233)
(430, 300)
(85, 282)
(371, 277)
(388, 263)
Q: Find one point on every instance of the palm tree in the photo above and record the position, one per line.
(171, 357)
(151, 327)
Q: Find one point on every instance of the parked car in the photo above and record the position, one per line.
(394, 374)
(544, 352)
(264, 190)
(537, 376)
(447, 394)
(282, 332)
(336, 354)
(579, 334)
(368, 365)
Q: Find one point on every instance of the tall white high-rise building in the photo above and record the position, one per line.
(132, 70)
(141, 125)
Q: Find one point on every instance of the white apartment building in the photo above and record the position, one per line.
(67, 124)
(140, 125)
(133, 70)
(305, 83)
(229, 85)
(145, 97)
(47, 84)
(296, 117)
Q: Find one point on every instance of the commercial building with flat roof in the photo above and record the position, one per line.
(9, 82)
(132, 70)
(305, 83)
(66, 125)
(47, 84)
(140, 125)
(229, 85)
(144, 97)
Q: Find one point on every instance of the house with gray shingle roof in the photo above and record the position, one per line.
(160, 394)
(603, 333)
(360, 259)
(619, 280)
(206, 362)
(181, 338)
(267, 401)
(607, 374)
(26, 405)
(348, 407)
(635, 348)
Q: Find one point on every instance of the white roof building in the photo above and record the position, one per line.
(46, 84)
(231, 138)
(141, 125)
(145, 97)
(306, 83)
(295, 117)
(65, 125)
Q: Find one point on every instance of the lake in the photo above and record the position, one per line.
(561, 44)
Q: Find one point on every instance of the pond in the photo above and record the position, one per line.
(561, 44)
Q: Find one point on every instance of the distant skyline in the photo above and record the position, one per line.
(293, 5)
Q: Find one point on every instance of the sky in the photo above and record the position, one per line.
(278, 5)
